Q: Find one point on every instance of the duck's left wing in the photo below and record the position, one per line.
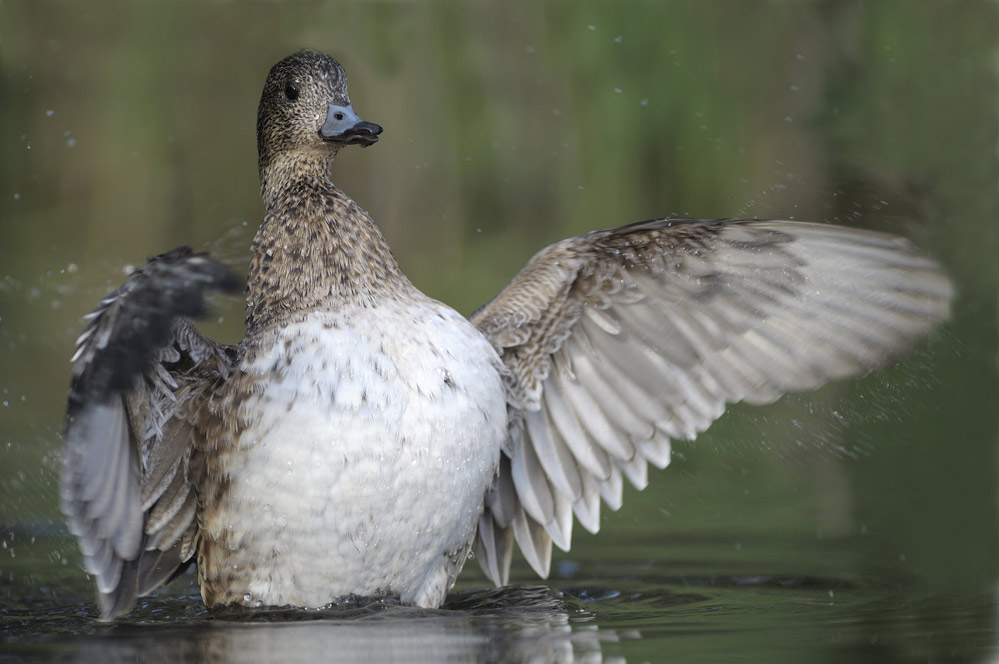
(139, 372)
(617, 341)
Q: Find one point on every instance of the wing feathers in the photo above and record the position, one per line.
(613, 405)
(589, 457)
(613, 439)
(531, 484)
(552, 453)
(495, 549)
(619, 340)
(534, 542)
(612, 489)
(656, 450)
(587, 508)
(138, 370)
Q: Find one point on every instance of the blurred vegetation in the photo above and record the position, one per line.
(128, 128)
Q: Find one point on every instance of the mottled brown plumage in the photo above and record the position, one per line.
(362, 436)
(131, 408)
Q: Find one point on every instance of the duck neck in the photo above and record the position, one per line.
(316, 249)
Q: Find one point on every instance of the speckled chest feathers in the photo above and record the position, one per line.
(352, 452)
(316, 248)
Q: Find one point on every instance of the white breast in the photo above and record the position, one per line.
(370, 445)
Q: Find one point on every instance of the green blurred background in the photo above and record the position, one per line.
(127, 128)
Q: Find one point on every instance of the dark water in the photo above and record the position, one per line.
(859, 523)
(612, 609)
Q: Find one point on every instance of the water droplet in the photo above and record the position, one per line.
(618, 39)
(49, 113)
(247, 597)
(70, 139)
(17, 197)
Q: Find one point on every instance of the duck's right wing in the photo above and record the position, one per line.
(617, 341)
(140, 372)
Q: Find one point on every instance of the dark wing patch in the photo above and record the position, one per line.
(139, 370)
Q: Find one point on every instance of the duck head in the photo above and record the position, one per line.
(305, 108)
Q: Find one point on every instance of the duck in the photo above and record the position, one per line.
(365, 440)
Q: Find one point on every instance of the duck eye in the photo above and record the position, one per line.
(291, 91)
(338, 115)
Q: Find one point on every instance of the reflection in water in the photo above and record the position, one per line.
(766, 606)
(519, 624)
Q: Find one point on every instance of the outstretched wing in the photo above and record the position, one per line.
(139, 372)
(618, 341)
